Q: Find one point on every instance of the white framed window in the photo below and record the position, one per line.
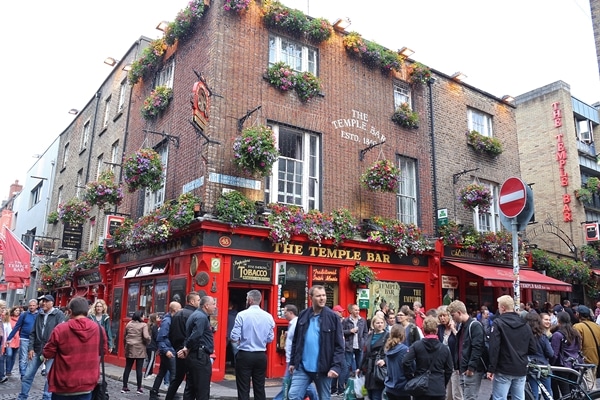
(295, 178)
(407, 193)
(35, 195)
(298, 56)
(156, 199)
(480, 122)
(85, 136)
(79, 185)
(114, 155)
(122, 92)
(488, 221)
(65, 156)
(100, 166)
(402, 94)
(60, 196)
(106, 112)
(165, 75)
(584, 130)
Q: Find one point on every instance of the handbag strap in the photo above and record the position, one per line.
(593, 335)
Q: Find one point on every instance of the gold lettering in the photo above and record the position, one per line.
(298, 249)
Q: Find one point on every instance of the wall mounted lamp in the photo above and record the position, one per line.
(73, 111)
(162, 25)
(127, 67)
(508, 98)
(458, 76)
(406, 52)
(341, 24)
(110, 61)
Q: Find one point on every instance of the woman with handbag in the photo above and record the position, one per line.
(395, 350)
(373, 363)
(136, 339)
(566, 345)
(428, 360)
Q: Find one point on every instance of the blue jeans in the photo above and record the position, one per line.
(11, 356)
(27, 380)
(86, 396)
(375, 394)
(23, 359)
(470, 385)
(535, 390)
(353, 359)
(311, 392)
(503, 384)
(2, 371)
(301, 380)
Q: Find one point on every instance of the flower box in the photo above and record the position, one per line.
(484, 144)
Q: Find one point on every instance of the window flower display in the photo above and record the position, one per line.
(52, 218)
(235, 209)
(148, 61)
(74, 211)
(420, 73)
(306, 85)
(292, 21)
(281, 76)
(103, 191)
(143, 169)
(319, 30)
(484, 144)
(476, 195)
(184, 22)
(236, 5)
(406, 117)
(382, 176)
(255, 150)
(157, 102)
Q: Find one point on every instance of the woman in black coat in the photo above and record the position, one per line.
(373, 355)
(430, 354)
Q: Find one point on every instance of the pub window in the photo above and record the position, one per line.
(295, 289)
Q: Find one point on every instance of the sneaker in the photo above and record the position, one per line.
(3, 379)
(151, 376)
(43, 372)
(139, 391)
(125, 390)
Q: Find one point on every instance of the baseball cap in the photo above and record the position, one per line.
(338, 308)
(46, 297)
(557, 309)
(584, 311)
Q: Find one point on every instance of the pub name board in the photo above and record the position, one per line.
(245, 269)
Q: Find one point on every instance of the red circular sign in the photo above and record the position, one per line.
(513, 197)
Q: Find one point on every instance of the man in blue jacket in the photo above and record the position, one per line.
(23, 326)
(165, 350)
(317, 349)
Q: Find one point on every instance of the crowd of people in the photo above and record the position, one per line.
(324, 348)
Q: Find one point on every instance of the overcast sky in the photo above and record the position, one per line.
(53, 52)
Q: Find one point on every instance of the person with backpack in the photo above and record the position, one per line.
(470, 347)
(566, 344)
(543, 354)
(412, 332)
(590, 340)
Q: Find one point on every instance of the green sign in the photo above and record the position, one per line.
(363, 298)
(442, 217)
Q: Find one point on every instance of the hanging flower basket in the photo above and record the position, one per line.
(406, 117)
(382, 176)
(236, 5)
(52, 218)
(103, 191)
(143, 169)
(255, 150)
(475, 195)
(362, 275)
(74, 212)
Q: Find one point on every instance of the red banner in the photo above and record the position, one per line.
(17, 259)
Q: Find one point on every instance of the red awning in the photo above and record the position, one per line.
(503, 277)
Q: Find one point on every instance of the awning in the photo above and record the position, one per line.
(147, 270)
(503, 277)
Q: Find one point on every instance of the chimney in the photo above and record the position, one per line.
(14, 189)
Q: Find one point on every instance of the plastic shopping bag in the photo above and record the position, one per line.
(349, 391)
(359, 386)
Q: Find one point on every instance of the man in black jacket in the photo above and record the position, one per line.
(511, 340)
(469, 349)
(318, 348)
(177, 336)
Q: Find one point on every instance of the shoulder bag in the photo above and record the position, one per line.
(419, 385)
(380, 371)
(595, 340)
(100, 391)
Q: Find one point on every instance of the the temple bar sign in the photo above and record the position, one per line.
(251, 270)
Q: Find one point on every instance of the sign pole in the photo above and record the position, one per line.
(515, 246)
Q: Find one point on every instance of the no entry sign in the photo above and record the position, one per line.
(513, 197)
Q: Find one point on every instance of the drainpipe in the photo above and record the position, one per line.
(430, 83)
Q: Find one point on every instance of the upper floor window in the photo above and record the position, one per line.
(488, 221)
(156, 199)
(36, 194)
(584, 130)
(60, 196)
(122, 92)
(114, 155)
(165, 75)
(295, 178)
(407, 194)
(79, 185)
(401, 95)
(85, 136)
(480, 122)
(65, 156)
(298, 56)
(106, 112)
(100, 165)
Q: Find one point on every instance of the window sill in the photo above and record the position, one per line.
(118, 115)
(102, 131)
